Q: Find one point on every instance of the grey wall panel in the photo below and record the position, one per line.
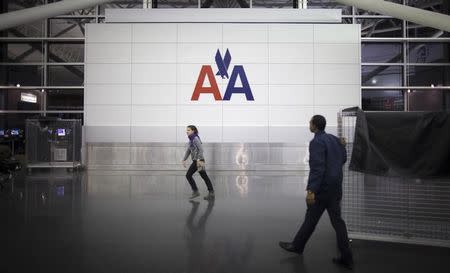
(147, 155)
(219, 156)
(108, 155)
(288, 155)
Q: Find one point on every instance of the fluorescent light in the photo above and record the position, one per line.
(28, 97)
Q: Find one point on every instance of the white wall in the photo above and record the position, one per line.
(140, 78)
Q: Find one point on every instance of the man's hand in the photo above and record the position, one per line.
(184, 163)
(310, 198)
(343, 141)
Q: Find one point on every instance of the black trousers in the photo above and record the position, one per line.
(331, 203)
(192, 169)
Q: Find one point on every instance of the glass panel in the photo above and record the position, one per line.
(415, 31)
(329, 4)
(381, 52)
(34, 29)
(69, 99)
(164, 4)
(21, 99)
(66, 52)
(87, 11)
(24, 75)
(225, 3)
(69, 27)
(289, 4)
(12, 5)
(65, 75)
(435, 5)
(382, 100)
(429, 52)
(21, 52)
(428, 75)
(379, 27)
(122, 4)
(373, 75)
(426, 100)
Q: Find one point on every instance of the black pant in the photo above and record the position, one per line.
(332, 203)
(190, 173)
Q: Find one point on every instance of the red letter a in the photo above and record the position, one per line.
(199, 88)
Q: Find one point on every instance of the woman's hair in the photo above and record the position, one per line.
(193, 128)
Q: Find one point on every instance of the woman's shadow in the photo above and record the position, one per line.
(195, 236)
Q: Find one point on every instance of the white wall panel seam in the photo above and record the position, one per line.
(131, 93)
(314, 69)
(176, 86)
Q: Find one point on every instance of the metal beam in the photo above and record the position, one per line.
(20, 17)
(415, 15)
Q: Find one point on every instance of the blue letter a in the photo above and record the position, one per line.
(231, 88)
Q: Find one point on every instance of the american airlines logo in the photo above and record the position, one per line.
(223, 64)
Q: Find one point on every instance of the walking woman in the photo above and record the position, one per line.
(195, 149)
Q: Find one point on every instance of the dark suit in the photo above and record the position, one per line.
(326, 158)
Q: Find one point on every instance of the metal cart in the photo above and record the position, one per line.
(53, 143)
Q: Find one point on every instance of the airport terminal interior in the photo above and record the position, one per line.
(97, 103)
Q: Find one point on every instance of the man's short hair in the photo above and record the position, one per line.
(319, 121)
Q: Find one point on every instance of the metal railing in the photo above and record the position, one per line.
(393, 209)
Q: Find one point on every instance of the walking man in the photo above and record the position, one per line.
(327, 156)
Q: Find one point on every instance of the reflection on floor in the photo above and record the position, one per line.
(143, 222)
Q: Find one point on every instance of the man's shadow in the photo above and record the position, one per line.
(295, 264)
(196, 235)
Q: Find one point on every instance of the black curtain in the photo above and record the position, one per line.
(406, 144)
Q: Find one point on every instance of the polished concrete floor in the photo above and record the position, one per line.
(143, 222)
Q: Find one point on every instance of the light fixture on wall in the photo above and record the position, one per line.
(18, 85)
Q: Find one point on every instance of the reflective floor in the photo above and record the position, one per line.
(143, 222)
